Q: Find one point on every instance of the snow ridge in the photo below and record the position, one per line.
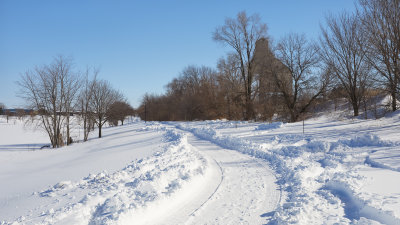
(355, 208)
(269, 126)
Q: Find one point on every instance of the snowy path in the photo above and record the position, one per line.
(247, 193)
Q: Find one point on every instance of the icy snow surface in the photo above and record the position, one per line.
(209, 172)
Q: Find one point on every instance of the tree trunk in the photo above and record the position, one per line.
(355, 109)
(249, 108)
(85, 128)
(293, 116)
(394, 101)
(55, 133)
(53, 144)
(100, 125)
(229, 109)
(365, 108)
(68, 135)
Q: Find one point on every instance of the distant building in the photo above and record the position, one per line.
(267, 68)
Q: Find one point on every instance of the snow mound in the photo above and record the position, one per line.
(269, 126)
(355, 208)
(376, 164)
(365, 140)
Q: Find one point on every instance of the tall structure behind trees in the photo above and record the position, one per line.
(258, 81)
(241, 34)
(266, 66)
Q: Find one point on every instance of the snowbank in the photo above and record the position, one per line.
(139, 193)
(269, 126)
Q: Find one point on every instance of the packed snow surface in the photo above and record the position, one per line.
(339, 171)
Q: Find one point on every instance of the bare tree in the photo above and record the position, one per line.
(118, 111)
(344, 52)
(300, 58)
(4, 111)
(241, 34)
(20, 113)
(159, 107)
(381, 23)
(84, 99)
(44, 89)
(70, 87)
(198, 93)
(2, 108)
(8, 113)
(231, 86)
(103, 97)
(194, 95)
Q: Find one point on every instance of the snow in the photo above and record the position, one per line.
(236, 201)
(269, 126)
(330, 151)
(24, 171)
(339, 171)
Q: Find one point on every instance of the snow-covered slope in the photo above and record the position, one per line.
(339, 171)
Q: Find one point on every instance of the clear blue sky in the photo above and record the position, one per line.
(139, 46)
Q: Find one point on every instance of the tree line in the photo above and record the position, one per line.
(56, 91)
(356, 57)
(20, 113)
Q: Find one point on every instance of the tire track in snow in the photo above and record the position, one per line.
(265, 165)
(241, 197)
(216, 189)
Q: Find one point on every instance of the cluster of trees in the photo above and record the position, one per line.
(191, 96)
(4, 111)
(56, 92)
(358, 55)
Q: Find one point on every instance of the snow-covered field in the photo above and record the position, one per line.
(339, 171)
